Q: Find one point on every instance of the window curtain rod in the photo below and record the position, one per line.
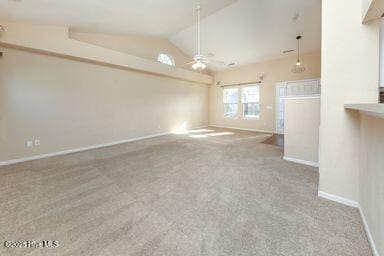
(229, 85)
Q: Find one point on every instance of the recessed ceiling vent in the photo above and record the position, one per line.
(288, 51)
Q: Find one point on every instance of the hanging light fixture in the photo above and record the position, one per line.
(199, 65)
(201, 61)
(299, 67)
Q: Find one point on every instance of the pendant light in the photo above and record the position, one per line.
(299, 67)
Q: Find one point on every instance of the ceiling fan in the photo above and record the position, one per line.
(201, 61)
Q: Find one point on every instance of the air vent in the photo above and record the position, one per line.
(288, 51)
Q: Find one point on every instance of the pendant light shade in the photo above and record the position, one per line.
(298, 67)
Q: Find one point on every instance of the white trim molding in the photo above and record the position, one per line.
(241, 129)
(375, 252)
(299, 161)
(354, 204)
(338, 199)
(306, 97)
(69, 151)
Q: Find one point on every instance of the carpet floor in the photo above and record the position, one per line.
(207, 192)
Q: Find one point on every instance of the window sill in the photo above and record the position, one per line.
(251, 118)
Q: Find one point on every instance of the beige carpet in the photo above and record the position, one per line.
(209, 192)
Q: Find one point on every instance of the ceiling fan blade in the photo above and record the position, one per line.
(215, 62)
(209, 55)
(189, 63)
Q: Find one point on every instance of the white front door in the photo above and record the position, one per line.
(281, 92)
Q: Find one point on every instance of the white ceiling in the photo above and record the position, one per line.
(249, 31)
(240, 31)
(143, 17)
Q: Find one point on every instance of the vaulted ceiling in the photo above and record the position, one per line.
(239, 31)
(249, 31)
(141, 17)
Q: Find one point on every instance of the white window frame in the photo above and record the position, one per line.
(164, 58)
(242, 102)
(237, 102)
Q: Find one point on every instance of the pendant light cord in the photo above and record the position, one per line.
(298, 48)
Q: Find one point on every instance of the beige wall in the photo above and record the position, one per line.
(54, 40)
(350, 72)
(371, 176)
(274, 71)
(141, 46)
(301, 128)
(68, 104)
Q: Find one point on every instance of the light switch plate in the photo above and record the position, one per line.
(29, 143)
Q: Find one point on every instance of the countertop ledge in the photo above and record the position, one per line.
(372, 109)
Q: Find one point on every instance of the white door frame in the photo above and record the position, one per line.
(285, 83)
(277, 120)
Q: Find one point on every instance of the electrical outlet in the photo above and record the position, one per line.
(29, 143)
(37, 142)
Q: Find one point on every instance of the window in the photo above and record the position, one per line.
(251, 102)
(231, 102)
(166, 59)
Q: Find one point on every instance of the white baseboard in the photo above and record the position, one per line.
(69, 151)
(241, 129)
(354, 204)
(375, 252)
(299, 161)
(338, 199)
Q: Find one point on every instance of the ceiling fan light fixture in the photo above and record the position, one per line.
(199, 65)
(201, 61)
